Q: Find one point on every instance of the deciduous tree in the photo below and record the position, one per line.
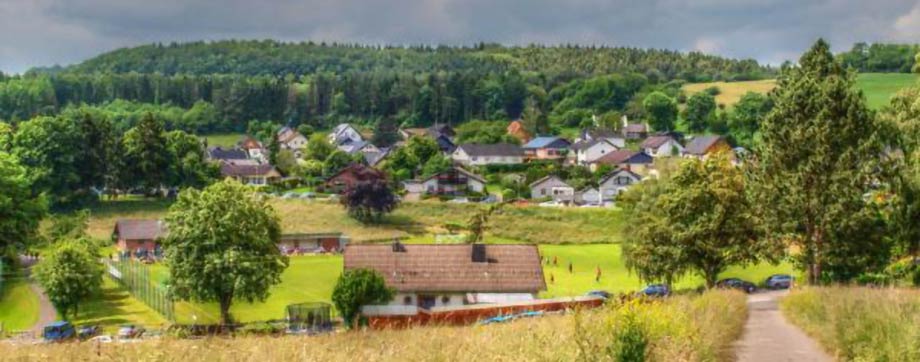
(223, 246)
(661, 111)
(20, 210)
(69, 274)
(356, 288)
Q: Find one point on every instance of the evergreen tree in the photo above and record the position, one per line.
(818, 157)
(146, 153)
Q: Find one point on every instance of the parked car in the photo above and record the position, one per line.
(603, 294)
(58, 332)
(656, 290)
(735, 283)
(779, 281)
(130, 331)
(86, 332)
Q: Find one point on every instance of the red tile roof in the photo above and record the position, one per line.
(139, 229)
(451, 268)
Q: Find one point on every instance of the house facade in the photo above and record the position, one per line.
(636, 161)
(454, 182)
(445, 275)
(291, 140)
(635, 131)
(349, 176)
(136, 235)
(250, 172)
(589, 196)
(585, 152)
(344, 132)
(546, 148)
(488, 154)
(616, 182)
(552, 187)
(662, 146)
(701, 147)
(252, 147)
(614, 138)
(312, 243)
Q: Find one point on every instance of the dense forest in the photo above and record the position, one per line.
(225, 85)
(880, 58)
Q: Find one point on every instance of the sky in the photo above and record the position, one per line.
(49, 32)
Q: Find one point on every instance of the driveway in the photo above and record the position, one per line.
(769, 337)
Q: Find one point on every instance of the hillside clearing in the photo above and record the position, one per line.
(878, 87)
(19, 305)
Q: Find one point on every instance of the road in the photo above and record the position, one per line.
(769, 337)
(46, 313)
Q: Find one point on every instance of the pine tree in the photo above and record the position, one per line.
(819, 155)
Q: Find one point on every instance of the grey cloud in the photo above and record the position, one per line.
(46, 32)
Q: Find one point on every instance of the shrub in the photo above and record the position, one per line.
(356, 288)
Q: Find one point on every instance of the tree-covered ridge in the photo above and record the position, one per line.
(275, 58)
(880, 58)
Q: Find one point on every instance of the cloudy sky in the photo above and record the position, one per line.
(48, 32)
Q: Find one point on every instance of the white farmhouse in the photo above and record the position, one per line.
(617, 182)
(662, 146)
(488, 154)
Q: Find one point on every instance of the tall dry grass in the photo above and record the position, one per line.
(680, 329)
(860, 324)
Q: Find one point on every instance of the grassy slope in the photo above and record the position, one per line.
(115, 307)
(699, 328)
(223, 139)
(878, 87)
(530, 224)
(859, 324)
(18, 304)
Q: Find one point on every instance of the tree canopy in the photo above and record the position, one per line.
(70, 274)
(222, 246)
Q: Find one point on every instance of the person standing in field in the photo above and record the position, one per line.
(597, 276)
(570, 268)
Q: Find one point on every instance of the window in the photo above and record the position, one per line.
(543, 192)
(407, 300)
(445, 300)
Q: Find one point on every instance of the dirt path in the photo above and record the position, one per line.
(768, 337)
(46, 311)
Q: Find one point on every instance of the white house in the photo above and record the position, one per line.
(617, 182)
(290, 139)
(454, 182)
(445, 275)
(589, 196)
(344, 133)
(488, 154)
(585, 152)
(352, 147)
(553, 187)
(662, 146)
(613, 137)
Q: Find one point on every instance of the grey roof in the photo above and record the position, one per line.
(498, 149)
(618, 172)
(584, 145)
(217, 153)
(373, 158)
(140, 229)
(547, 178)
(236, 168)
(700, 144)
(544, 142)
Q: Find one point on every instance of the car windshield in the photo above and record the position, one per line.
(782, 277)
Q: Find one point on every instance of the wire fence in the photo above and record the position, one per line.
(135, 277)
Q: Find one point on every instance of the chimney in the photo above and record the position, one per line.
(398, 247)
(479, 253)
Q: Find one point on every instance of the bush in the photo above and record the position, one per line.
(356, 288)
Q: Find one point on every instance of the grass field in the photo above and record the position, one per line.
(685, 328)
(537, 225)
(223, 139)
(859, 324)
(311, 279)
(115, 306)
(18, 304)
(878, 87)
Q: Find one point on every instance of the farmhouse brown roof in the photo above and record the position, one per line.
(451, 268)
(701, 144)
(140, 229)
(237, 168)
(655, 141)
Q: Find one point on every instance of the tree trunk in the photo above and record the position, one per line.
(225, 310)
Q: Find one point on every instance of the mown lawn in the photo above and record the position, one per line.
(878, 87)
(114, 306)
(312, 278)
(19, 306)
(223, 139)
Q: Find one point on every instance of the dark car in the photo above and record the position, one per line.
(603, 294)
(656, 290)
(735, 283)
(86, 332)
(58, 332)
(779, 281)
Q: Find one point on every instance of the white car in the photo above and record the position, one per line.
(101, 339)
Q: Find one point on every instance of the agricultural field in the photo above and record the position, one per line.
(878, 87)
(859, 324)
(537, 225)
(682, 328)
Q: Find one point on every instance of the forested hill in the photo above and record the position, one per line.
(880, 57)
(280, 59)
